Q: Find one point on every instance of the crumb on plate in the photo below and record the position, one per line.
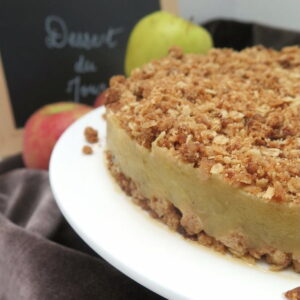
(293, 294)
(87, 150)
(91, 135)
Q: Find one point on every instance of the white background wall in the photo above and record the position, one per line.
(278, 13)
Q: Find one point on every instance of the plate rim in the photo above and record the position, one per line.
(164, 291)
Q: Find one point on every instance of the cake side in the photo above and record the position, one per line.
(208, 209)
(213, 141)
(233, 113)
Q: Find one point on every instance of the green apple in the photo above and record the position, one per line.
(154, 34)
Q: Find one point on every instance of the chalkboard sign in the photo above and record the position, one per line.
(61, 50)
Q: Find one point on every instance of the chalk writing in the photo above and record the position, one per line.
(59, 36)
(83, 65)
(78, 90)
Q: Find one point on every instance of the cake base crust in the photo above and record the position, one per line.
(168, 214)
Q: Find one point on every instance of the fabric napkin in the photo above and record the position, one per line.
(41, 257)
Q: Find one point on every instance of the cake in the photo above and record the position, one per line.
(210, 145)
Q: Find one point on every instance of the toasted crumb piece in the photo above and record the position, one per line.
(293, 294)
(87, 150)
(191, 223)
(296, 265)
(176, 52)
(278, 259)
(216, 169)
(91, 135)
(269, 193)
(209, 241)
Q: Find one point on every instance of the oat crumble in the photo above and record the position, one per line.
(91, 135)
(234, 114)
(293, 294)
(87, 150)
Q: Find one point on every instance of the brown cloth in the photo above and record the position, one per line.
(41, 258)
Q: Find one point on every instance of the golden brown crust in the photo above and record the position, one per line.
(87, 150)
(234, 113)
(293, 294)
(91, 135)
(190, 226)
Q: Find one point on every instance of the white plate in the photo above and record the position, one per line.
(139, 246)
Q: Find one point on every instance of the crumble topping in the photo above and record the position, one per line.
(87, 150)
(91, 135)
(235, 114)
(293, 294)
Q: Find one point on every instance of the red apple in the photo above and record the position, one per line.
(43, 129)
(101, 99)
